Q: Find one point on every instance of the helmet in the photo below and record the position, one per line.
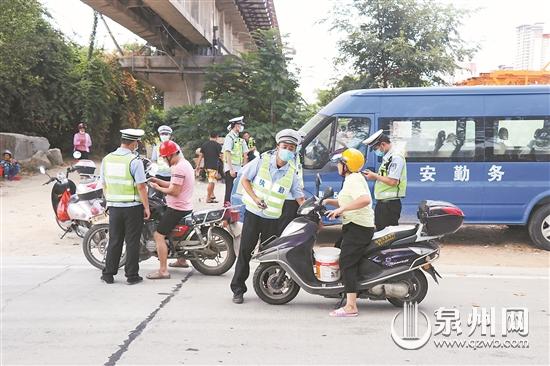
(168, 148)
(81, 125)
(353, 159)
(289, 136)
(164, 129)
(239, 120)
(8, 152)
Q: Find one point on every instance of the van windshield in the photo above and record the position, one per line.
(310, 125)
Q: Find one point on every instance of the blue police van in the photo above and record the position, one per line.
(485, 149)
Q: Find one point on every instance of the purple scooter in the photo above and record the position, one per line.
(392, 267)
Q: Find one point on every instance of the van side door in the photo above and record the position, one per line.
(444, 158)
(517, 174)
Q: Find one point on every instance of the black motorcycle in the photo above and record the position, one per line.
(392, 267)
(203, 237)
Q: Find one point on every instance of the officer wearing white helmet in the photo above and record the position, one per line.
(390, 182)
(165, 134)
(235, 155)
(124, 185)
(265, 184)
(290, 207)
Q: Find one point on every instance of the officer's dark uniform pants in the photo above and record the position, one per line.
(228, 186)
(254, 228)
(290, 212)
(125, 225)
(387, 213)
(355, 239)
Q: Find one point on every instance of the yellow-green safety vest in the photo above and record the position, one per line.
(273, 193)
(120, 185)
(163, 167)
(236, 150)
(382, 191)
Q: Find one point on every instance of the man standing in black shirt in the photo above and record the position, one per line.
(210, 151)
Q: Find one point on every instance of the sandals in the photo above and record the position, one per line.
(158, 276)
(212, 201)
(341, 313)
(177, 264)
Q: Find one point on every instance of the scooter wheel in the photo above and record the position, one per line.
(271, 287)
(419, 285)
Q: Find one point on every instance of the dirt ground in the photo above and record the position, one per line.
(28, 228)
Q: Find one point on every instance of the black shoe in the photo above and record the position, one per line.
(134, 280)
(107, 279)
(238, 298)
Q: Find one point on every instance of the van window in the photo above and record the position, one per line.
(434, 139)
(351, 132)
(317, 151)
(518, 139)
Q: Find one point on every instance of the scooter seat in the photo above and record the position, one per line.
(392, 234)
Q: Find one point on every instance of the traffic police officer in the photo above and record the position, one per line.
(124, 186)
(264, 184)
(391, 180)
(163, 172)
(235, 156)
(290, 207)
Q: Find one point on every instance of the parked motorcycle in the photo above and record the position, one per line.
(206, 238)
(392, 267)
(74, 205)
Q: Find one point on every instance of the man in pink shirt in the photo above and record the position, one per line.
(179, 195)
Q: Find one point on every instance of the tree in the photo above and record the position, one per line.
(257, 85)
(48, 85)
(399, 43)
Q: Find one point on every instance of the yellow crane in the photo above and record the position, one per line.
(511, 77)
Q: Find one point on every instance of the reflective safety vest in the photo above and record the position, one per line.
(382, 191)
(273, 193)
(120, 185)
(236, 150)
(163, 167)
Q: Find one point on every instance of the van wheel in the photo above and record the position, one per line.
(539, 227)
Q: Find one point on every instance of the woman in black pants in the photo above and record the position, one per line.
(354, 205)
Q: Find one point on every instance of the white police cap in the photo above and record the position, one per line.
(133, 134)
(239, 120)
(289, 136)
(372, 139)
(164, 129)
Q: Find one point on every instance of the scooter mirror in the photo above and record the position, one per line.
(318, 183)
(77, 154)
(42, 170)
(328, 193)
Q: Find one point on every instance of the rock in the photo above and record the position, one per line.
(40, 158)
(55, 156)
(22, 146)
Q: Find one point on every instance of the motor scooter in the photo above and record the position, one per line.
(392, 267)
(75, 205)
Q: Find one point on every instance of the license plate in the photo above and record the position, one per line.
(98, 218)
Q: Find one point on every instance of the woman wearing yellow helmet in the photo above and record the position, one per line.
(354, 205)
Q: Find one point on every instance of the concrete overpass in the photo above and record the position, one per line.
(187, 36)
